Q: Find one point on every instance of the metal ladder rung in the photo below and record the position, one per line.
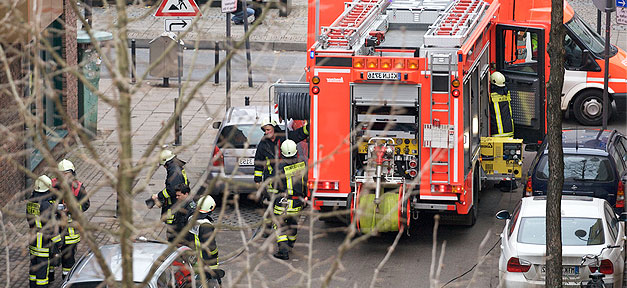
(438, 182)
(439, 164)
(440, 110)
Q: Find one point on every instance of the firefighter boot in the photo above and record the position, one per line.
(283, 251)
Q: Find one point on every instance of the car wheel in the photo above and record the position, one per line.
(588, 108)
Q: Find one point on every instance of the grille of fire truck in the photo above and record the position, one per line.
(347, 29)
(453, 27)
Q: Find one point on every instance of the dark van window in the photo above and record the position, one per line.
(240, 136)
(580, 167)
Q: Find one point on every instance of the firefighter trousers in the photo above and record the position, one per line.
(287, 228)
(38, 271)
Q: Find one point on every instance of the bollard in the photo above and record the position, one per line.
(217, 61)
(177, 126)
(133, 61)
(246, 101)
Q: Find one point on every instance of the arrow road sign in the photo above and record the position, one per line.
(177, 25)
(621, 3)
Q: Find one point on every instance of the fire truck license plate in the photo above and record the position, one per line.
(246, 161)
(384, 76)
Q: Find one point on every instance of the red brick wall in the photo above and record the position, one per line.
(11, 179)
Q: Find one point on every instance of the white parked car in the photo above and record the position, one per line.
(588, 226)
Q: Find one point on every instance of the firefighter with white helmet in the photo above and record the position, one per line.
(292, 189)
(501, 121)
(44, 238)
(203, 231)
(69, 233)
(166, 198)
(267, 156)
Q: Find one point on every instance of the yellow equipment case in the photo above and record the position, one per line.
(501, 158)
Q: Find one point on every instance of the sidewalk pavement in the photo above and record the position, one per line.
(151, 106)
(276, 33)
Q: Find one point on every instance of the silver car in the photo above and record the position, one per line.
(588, 226)
(233, 158)
(175, 271)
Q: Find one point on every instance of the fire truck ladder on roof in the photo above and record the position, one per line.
(453, 27)
(351, 25)
(441, 108)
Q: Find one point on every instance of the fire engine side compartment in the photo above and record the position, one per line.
(330, 151)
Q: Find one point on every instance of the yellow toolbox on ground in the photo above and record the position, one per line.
(501, 158)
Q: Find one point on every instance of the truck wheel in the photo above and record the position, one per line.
(588, 108)
(471, 218)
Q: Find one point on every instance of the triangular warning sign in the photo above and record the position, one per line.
(177, 8)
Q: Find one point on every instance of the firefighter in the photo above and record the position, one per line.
(501, 122)
(70, 235)
(187, 207)
(266, 157)
(290, 201)
(167, 198)
(201, 233)
(40, 209)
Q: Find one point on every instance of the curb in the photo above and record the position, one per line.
(210, 45)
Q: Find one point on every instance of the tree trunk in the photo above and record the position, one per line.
(556, 155)
(125, 177)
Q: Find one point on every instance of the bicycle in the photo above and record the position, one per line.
(596, 277)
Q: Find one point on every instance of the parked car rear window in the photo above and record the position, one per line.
(240, 136)
(533, 231)
(580, 167)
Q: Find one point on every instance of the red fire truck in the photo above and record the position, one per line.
(398, 95)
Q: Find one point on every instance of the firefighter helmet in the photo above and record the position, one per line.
(65, 165)
(165, 156)
(267, 121)
(288, 148)
(498, 79)
(43, 183)
(206, 204)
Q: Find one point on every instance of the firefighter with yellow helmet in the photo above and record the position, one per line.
(166, 198)
(44, 237)
(69, 233)
(267, 156)
(501, 121)
(201, 235)
(289, 203)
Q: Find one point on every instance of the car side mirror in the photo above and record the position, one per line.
(589, 64)
(216, 125)
(532, 147)
(623, 216)
(503, 215)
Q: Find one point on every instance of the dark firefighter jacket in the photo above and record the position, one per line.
(268, 153)
(199, 234)
(41, 208)
(501, 121)
(175, 175)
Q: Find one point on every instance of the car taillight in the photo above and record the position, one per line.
(528, 189)
(620, 195)
(516, 265)
(218, 158)
(607, 267)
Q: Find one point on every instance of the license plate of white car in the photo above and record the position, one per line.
(246, 161)
(567, 271)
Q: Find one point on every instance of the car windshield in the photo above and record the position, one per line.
(593, 41)
(580, 168)
(240, 136)
(575, 231)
